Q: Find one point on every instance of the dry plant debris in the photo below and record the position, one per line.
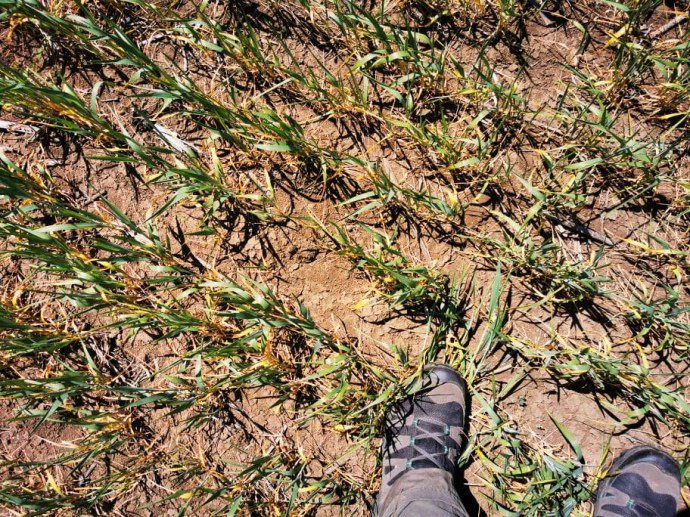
(234, 232)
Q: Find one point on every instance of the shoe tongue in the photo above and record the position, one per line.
(435, 450)
(431, 427)
(429, 445)
(428, 464)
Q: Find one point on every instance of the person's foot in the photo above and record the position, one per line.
(425, 430)
(642, 482)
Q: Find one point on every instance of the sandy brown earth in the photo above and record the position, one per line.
(298, 262)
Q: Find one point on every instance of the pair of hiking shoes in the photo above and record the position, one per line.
(426, 431)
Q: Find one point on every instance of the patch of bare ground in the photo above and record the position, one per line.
(478, 128)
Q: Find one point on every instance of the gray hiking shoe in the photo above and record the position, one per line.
(426, 430)
(642, 482)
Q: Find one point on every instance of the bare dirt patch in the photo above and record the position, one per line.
(232, 235)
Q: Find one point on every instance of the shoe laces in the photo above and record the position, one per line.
(440, 437)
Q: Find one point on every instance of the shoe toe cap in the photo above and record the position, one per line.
(443, 374)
